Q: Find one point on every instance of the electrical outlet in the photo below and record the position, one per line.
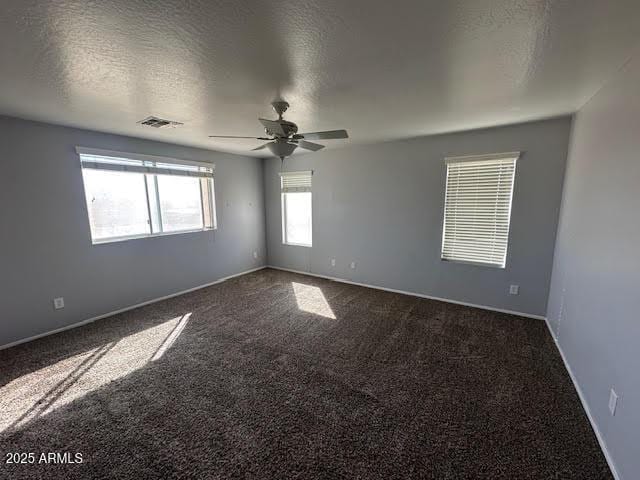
(353, 265)
(613, 401)
(333, 262)
(514, 289)
(58, 303)
(255, 254)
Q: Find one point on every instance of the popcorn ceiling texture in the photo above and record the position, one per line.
(278, 375)
(383, 70)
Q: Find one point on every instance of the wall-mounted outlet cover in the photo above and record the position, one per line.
(255, 254)
(514, 289)
(353, 265)
(333, 262)
(58, 303)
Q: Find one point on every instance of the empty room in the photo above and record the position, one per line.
(258, 239)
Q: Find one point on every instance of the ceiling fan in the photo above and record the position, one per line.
(283, 135)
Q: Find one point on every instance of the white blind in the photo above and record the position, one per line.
(296, 181)
(124, 162)
(477, 208)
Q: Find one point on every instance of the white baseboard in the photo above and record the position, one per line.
(413, 294)
(131, 307)
(585, 406)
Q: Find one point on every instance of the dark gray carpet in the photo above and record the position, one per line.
(276, 375)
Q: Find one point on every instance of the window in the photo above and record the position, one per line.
(477, 208)
(130, 196)
(296, 208)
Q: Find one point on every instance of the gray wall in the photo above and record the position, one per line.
(382, 207)
(45, 240)
(594, 303)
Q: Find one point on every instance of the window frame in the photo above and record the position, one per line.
(515, 156)
(283, 209)
(151, 215)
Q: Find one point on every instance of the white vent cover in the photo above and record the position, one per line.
(156, 122)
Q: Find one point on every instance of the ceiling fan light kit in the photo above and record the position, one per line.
(283, 135)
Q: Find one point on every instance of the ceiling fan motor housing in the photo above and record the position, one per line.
(289, 129)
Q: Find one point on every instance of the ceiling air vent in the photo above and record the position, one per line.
(156, 122)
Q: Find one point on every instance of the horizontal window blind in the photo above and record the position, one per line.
(296, 181)
(478, 208)
(145, 164)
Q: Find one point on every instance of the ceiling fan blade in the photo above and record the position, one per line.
(328, 135)
(235, 136)
(314, 147)
(264, 145)
(273, 126)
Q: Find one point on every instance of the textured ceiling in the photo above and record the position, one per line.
(380, 69)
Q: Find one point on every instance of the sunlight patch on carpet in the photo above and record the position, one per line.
(23, 400)
(169, 341)
(311, 299)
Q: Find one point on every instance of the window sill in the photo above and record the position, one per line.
(148, 235)
(475, 264)
(297, 244)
